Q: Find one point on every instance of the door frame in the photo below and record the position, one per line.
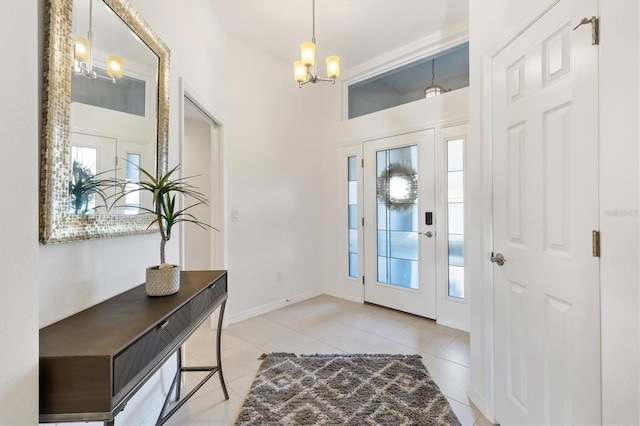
(218, 218)
(485, 397)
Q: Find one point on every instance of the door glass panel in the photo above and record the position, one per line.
(455, 217)
(352, 205)
(405, 219)
(397, 216)
(403, 273)
(403, 245)
(382, 243)
(353, 240)
(456, 281)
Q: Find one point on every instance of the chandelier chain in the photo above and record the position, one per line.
(313, 21)
(433, 71)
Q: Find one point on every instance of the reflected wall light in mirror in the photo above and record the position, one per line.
(72, 127)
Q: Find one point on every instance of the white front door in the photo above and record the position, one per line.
(545, 207)
(399, 202)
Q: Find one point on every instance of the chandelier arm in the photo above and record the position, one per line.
(111, 79)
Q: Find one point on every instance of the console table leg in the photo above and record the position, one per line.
(218, 355)
(179, 361)
(111, 422)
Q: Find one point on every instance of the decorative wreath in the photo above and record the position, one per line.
(407, 174)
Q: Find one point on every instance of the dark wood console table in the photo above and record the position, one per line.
(93, 362)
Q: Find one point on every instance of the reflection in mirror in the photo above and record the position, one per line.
(114, 95)
(105, 111)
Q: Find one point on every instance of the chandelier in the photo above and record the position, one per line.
(83, 56)
(305, 69)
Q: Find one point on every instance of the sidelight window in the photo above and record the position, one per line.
(455, 216)
(352, 202)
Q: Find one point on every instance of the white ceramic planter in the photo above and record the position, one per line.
(162, 282)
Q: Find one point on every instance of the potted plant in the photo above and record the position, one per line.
(164, 279)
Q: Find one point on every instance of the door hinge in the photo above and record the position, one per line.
(595, 28)
(363, 221)
(362, 162)
(595, 243)
(363, 280)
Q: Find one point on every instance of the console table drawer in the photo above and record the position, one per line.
(138, 357)
(202, 303)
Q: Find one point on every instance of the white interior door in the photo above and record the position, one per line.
(399, 183)
(545, 182)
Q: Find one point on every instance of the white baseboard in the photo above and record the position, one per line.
(263, 309)
(332, 292)
(352, 299)
(453, 324)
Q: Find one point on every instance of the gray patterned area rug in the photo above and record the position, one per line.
(344, 390)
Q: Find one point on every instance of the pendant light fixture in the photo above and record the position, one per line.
(305, 69)
(83, 56)
(432, 90)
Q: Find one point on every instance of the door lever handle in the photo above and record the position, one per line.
(429, 234)
(498, 258)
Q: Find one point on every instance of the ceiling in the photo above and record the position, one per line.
(355, 30)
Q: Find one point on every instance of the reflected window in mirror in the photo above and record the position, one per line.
(128, 95)
(132, 199)
(119, 105)
(83, 168)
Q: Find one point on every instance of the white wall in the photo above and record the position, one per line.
(488, 22)
(274, 181)
(619, 182)
(77, 275)
(19, 214)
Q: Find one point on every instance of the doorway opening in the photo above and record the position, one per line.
(201, 160)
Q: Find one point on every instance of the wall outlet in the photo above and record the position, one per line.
(279, 275)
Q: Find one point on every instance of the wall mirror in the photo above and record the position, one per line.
(105, 112)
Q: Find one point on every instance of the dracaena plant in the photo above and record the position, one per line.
(84, 185)
(164, 190)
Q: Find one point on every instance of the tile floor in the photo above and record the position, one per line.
(323, 324)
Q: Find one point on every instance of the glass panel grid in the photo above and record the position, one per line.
(397, 216)
(352, 212)
(455, 217)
